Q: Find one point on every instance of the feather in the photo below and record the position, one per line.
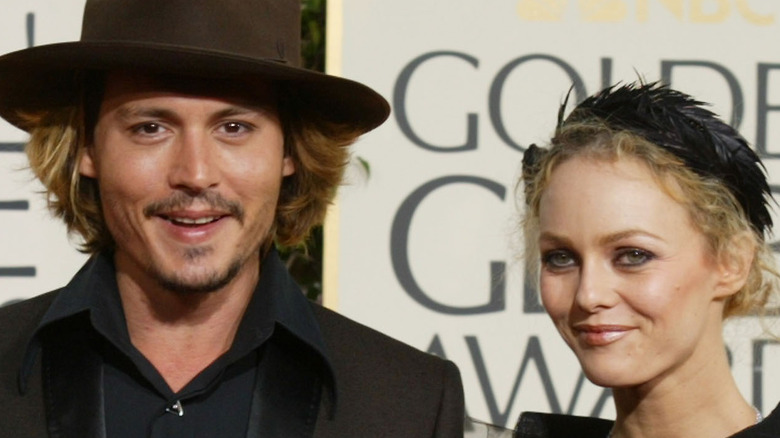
(532, 158)
(681, 125)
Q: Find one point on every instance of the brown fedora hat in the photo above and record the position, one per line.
(206, 38)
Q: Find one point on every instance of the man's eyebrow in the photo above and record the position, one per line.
(128, 112)
(240, 110)
(133, 111)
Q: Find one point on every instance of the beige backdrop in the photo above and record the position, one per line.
(417, 248)
(422, 246)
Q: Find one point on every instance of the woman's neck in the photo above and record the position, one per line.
(703, 402)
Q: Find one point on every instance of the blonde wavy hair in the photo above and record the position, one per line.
(713, 209)
(318, 147)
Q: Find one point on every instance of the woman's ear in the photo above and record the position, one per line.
(735, 263)
(288, 166)
(87, 162)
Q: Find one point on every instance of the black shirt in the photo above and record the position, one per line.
(219, 401)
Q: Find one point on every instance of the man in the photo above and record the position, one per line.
(179, 139)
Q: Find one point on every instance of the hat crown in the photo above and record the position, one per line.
(217, 39)
(259, 29)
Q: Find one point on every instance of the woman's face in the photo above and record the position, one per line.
(630, 284)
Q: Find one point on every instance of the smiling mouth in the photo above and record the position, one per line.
(192, 222)
(597, 336)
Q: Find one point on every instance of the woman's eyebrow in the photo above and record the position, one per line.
(620, 235)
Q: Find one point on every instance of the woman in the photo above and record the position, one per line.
(647, 217)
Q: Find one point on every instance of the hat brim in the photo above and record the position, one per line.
(44, 77)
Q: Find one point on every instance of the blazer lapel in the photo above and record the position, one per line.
(287, 394)
(73, 386)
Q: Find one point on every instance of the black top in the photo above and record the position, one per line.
(218, 401)
(539, 425)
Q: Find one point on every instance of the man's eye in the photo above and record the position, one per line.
(633, 257)
(235, 128)
(558, 259)
(147, 128)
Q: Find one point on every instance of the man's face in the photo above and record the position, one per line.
(189, 178)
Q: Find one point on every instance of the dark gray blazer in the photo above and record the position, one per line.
(385, 388)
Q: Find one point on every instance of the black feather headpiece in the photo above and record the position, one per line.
(679, 124)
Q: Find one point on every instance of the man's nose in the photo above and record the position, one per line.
(194, 164)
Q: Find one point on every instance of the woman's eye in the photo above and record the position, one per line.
(558, 259)
(633, 257)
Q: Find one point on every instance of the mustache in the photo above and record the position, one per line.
(180, 200)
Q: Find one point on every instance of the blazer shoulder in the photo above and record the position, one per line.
(387, 388)
(24, 316)
(344, 333)
(18, 322)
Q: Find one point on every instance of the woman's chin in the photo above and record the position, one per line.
(609, 376)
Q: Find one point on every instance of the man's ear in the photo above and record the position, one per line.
(735, 263)
(87, 165)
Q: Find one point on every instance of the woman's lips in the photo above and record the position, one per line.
(600, 335)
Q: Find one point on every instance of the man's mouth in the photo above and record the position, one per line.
(187, 210)
(190, 221)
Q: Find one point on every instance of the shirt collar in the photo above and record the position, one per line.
(277, 301)
(279, 296)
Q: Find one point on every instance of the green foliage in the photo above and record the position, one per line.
(305, 262)
(313, 34)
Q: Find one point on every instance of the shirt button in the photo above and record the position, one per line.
(176, 408)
